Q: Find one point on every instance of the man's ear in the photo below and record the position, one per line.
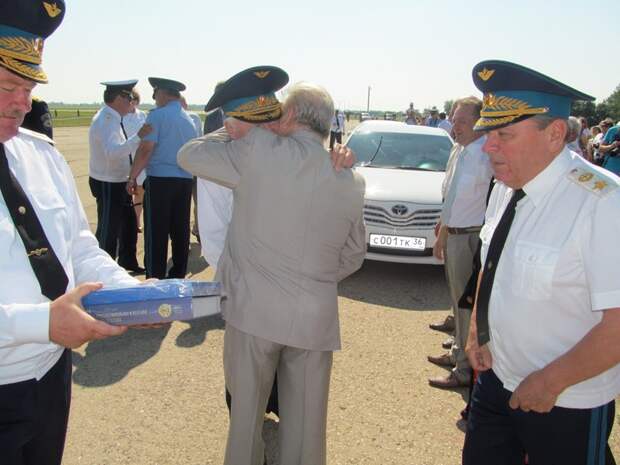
(288, 118)
(556, 134)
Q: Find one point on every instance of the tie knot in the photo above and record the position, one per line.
(518, 195)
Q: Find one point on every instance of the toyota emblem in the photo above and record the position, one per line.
(399, 210)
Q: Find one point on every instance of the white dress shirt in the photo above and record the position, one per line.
(197, 122)
(337, 123)
(557, 271)
(25, 348)
(132, 122)
(445, 125)
(466, 185)
(109, 150)
(215, 204)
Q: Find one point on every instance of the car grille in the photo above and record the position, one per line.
(415, 219)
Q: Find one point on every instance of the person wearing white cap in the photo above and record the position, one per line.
(110, 161)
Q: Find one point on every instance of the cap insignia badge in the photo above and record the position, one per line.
(52, 9)
(486, 74)
(586, 177)
(489, 100)
(261, 74)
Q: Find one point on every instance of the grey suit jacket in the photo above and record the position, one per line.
(297, 229)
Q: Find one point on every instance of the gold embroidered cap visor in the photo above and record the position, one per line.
(513, 93)
(23, 27)
(250, 94)
(259, 109)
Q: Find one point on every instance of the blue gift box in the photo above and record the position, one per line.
(157, 302)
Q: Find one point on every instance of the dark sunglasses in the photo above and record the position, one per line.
(127, 96)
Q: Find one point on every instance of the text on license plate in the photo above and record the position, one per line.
(397, 242)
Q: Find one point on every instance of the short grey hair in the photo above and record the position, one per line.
(574, 127)
(312, 106)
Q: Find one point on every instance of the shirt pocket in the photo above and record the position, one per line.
(534, 266)
(52, 213)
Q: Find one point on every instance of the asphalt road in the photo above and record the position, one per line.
(156, 397)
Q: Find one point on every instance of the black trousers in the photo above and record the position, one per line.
(34, 416)
(167, 204)
(498, 435)
(117, 227)
(334, 136)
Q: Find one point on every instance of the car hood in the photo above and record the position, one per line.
(386, 184)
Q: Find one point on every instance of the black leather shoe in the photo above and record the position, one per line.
(446, 326)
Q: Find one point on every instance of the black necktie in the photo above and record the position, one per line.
(490, 265)
(126, 138)
(45, 264)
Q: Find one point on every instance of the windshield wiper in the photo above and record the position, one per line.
(369, 162)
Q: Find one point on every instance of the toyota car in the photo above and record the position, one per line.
(404, 167)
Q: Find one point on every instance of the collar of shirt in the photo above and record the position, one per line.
(547, 179)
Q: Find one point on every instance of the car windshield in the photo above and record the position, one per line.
(401, 150)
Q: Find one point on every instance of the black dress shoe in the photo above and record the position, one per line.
(446, 326)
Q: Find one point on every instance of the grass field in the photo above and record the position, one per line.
(72, 117)
(75, 117)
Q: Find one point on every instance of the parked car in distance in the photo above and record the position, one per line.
(404, 168)
(364, 116)
(388, 116)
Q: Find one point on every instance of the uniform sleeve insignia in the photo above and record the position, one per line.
(261, 74)
(595, 182)
(52, 9)
(486, 74)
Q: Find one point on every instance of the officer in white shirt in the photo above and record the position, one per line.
(337, 129)
(544, 332)
(111, 156)
(465, 190)
(50, 259)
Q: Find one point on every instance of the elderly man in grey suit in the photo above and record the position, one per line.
(297, 229)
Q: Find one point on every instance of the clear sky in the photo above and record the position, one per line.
(419, 51)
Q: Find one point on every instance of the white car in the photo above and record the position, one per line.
(404, 167)
(364, 116)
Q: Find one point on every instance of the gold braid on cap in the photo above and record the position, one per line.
(22, 49)
(494, 106)
(18, 67)
(261, 109)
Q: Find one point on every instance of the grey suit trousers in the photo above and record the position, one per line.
(458, 263)
(250, 364)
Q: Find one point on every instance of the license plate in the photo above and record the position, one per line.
(398, 242)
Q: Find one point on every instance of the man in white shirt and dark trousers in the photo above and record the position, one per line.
(110, 161)
(337, 129)
(465, 189)
(50, 257)
(544, 330)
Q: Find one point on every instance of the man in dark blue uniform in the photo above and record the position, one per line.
(168, 188)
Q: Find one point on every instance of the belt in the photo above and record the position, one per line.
(468, 230)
